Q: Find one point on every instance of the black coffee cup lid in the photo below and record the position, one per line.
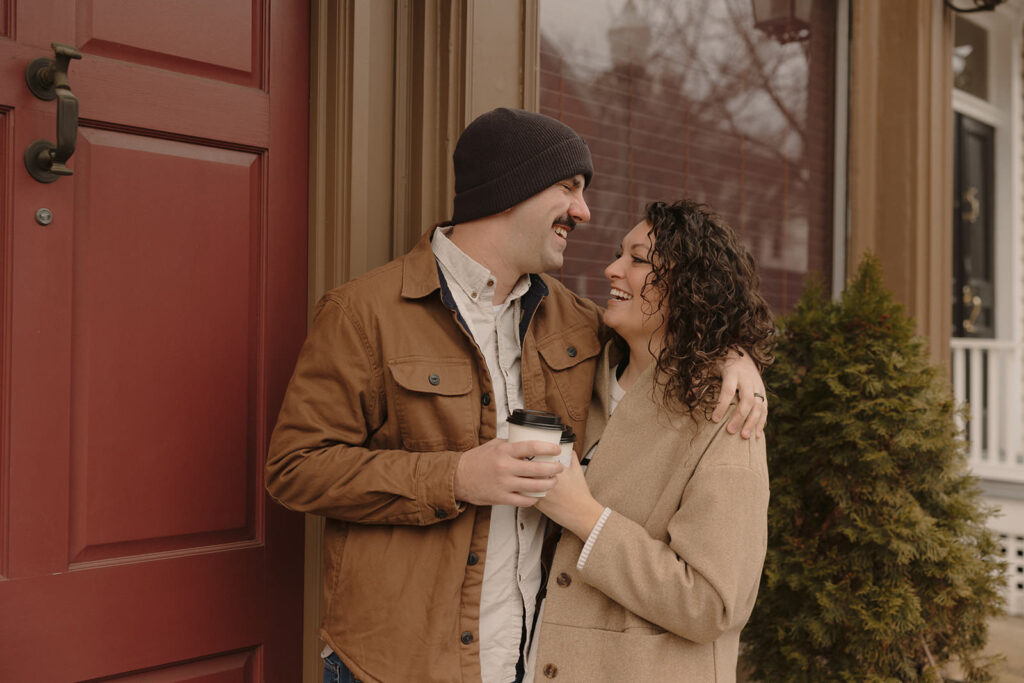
(535, 418)
(568, 436)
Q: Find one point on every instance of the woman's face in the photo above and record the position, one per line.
(629, 314)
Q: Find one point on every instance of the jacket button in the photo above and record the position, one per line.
(550, 670)
(467, 638)
(473, 559)
(563, 580)
(434, 379)
(440, 514)
(486, 399)
(571, 351)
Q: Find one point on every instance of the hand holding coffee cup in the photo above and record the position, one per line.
(536, 425)
(496, 472)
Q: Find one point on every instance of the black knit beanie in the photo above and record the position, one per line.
(508, 155)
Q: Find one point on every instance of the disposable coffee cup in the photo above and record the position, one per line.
(567, 441)
(535, 425)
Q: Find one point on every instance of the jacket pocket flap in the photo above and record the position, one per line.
(569, 347)
(443, 376)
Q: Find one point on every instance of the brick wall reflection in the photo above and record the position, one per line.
(687, 98)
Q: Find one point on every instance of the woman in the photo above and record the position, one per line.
(664, 539)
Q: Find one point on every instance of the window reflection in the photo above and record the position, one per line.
(687, 98)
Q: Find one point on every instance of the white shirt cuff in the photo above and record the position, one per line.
(592, 539)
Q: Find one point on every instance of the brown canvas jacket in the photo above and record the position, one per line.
(388, 391)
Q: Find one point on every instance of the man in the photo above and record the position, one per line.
(392, 425)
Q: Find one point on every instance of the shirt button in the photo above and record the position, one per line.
(571, 351)
(440, 514)
(563, 580)
(466, 638)
(486, 399)
(550, 670)
(434, 379)
(473, 295)
(521, 525)
(490, 283)
(473, 559)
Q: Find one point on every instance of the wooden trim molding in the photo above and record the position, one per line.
(430, 91)
(351, 174)
(531, 55)
(900, 175)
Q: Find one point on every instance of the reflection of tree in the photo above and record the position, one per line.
(712, 108)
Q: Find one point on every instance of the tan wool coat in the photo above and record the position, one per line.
(674, 573)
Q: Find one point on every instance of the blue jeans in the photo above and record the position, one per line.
(335, 671)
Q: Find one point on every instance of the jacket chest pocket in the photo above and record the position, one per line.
(432, 399)
(569, 360)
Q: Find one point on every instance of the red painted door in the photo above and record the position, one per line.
(148, 331)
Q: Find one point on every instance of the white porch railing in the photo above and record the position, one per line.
(987, 377)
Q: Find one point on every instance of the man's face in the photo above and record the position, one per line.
(541, 225)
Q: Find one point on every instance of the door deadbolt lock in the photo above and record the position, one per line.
(44, 216)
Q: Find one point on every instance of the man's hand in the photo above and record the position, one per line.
(740, 375)
(495, 473)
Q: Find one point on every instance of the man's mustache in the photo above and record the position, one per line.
(566, 221)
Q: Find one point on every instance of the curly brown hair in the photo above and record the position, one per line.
(711, 302)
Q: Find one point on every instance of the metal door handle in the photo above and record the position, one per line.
(48, 80)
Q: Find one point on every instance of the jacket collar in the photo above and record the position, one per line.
(419, 270)
(421, 276)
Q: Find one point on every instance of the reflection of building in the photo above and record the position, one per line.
(695, 102)
(628, 37)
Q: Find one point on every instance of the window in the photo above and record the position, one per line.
(688, 99)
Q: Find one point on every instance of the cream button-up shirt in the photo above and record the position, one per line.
(512, 571)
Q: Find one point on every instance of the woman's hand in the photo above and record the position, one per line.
(570, 504)
(740, 375)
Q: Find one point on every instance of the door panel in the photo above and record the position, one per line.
(185, 220)
(148, 334)
(104, 616)
(161, 35)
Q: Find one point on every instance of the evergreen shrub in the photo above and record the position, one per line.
(880, 566)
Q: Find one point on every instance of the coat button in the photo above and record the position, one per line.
(571, 351)
(440, 514)
(473, 559)
(467, 638)
(434, 379)
(550, 670)
(486, 399)
(563, 580)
